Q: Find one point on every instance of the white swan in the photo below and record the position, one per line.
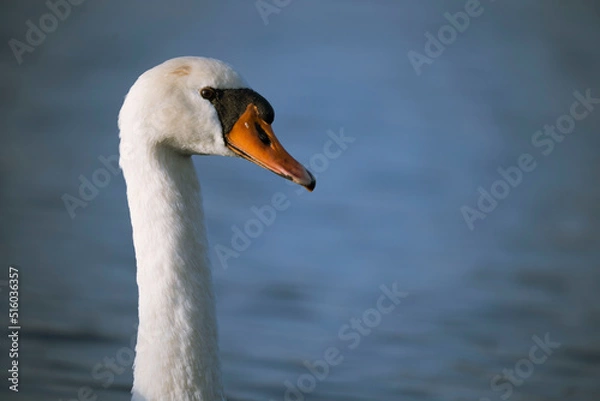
(185, 106)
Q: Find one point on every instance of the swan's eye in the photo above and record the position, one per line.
(208, 93)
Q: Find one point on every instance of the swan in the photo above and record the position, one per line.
(185, 106)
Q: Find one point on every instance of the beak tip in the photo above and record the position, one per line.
(310, 187)
(313, 183)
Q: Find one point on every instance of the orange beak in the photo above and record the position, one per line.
(253, 139)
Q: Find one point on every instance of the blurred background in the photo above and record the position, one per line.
(424, 139)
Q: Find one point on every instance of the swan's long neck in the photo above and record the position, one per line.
(177, 349)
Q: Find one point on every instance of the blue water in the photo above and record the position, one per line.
(386, 210)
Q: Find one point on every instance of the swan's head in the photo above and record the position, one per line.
(202, 106)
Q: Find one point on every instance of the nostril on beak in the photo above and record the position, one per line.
(262, 135)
